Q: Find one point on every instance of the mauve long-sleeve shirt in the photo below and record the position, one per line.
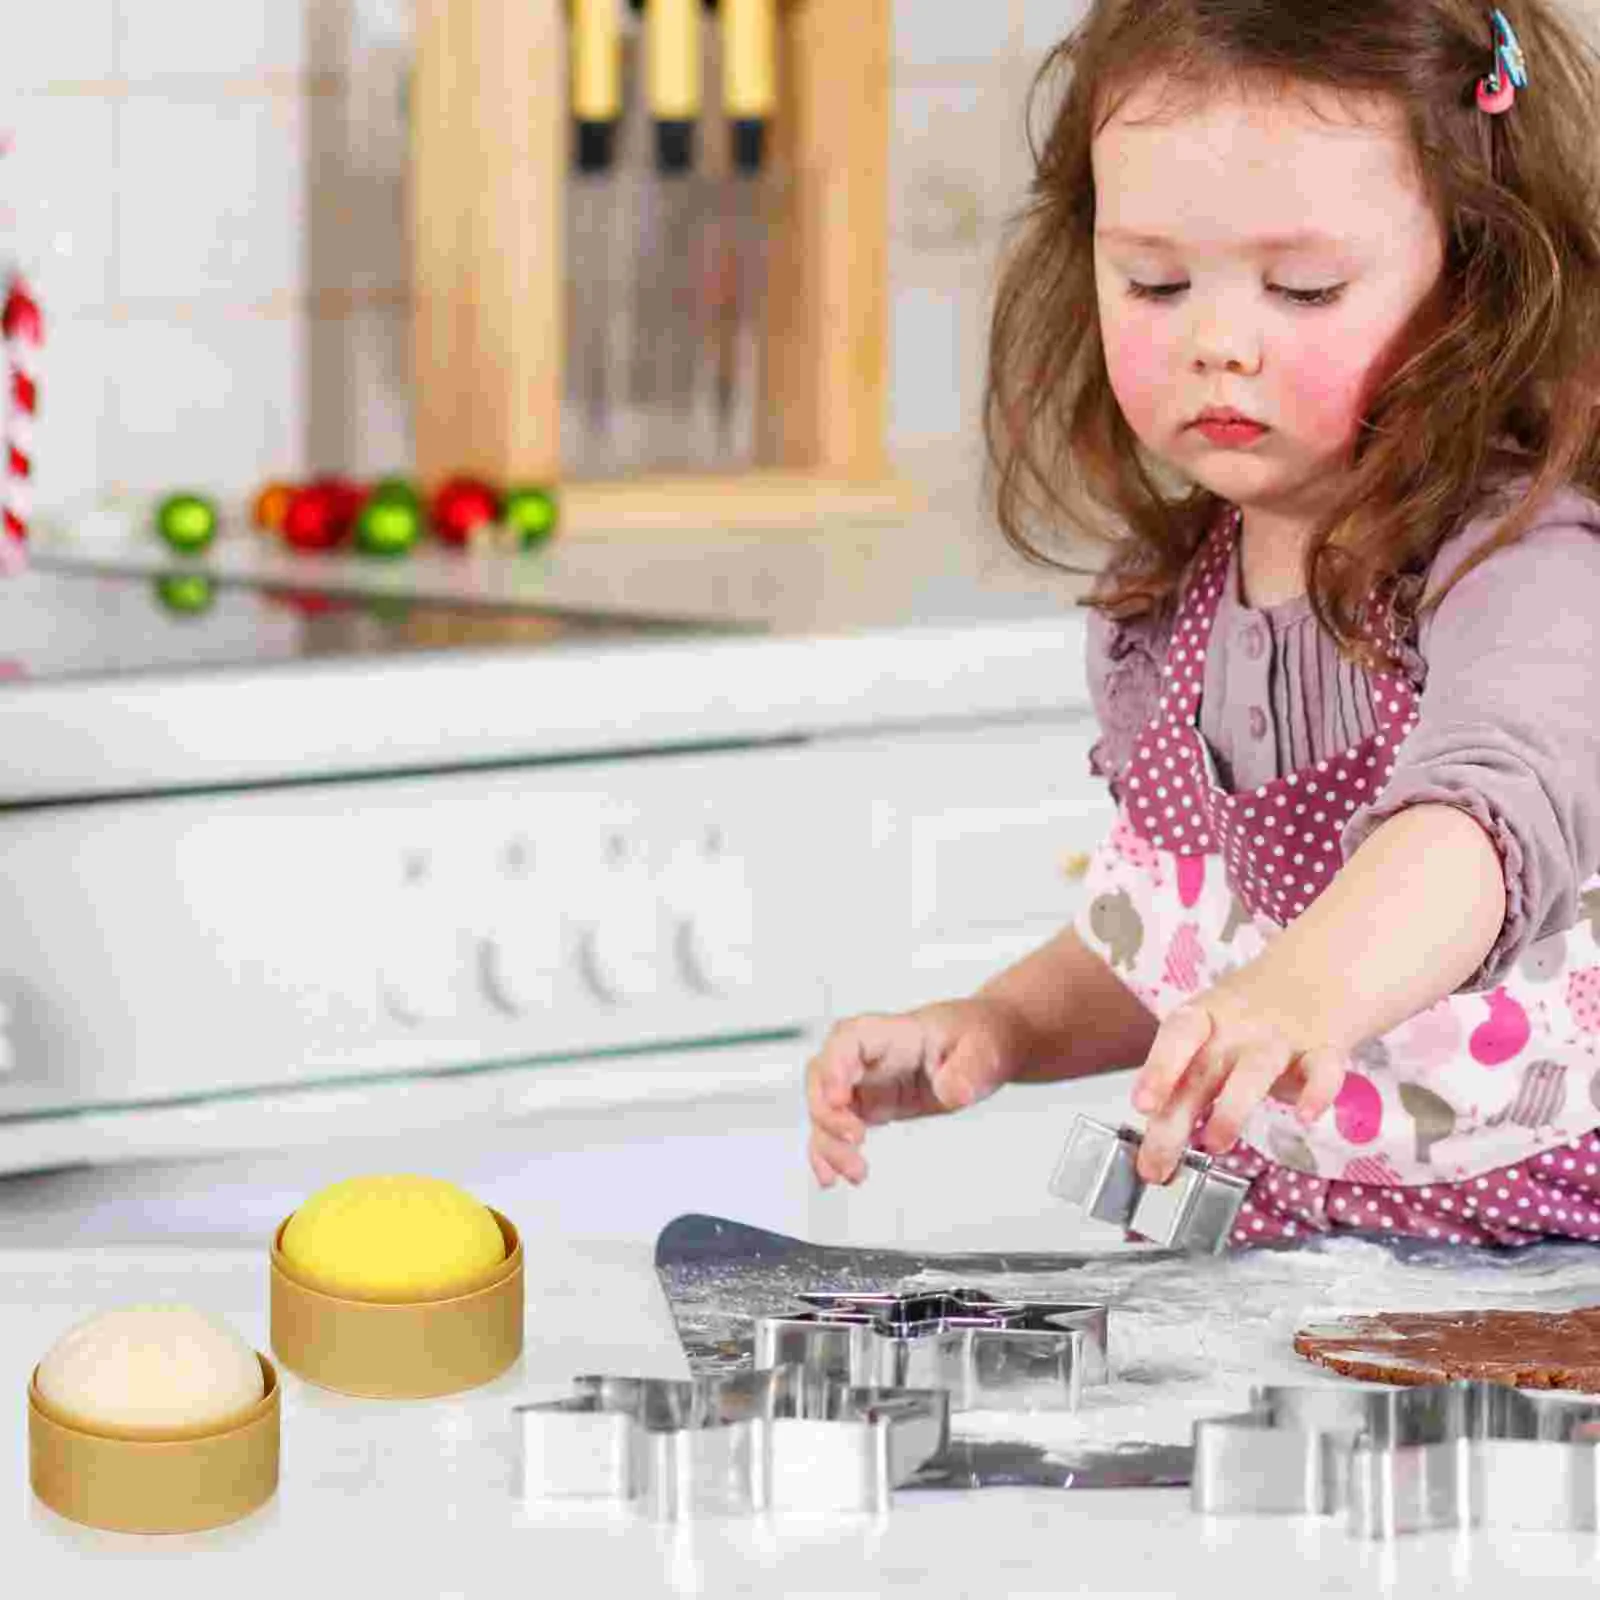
(1508, 667)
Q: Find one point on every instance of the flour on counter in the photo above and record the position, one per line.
(1189, 1338)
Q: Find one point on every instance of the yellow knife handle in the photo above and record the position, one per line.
(672, 59)
(596, 61)
(749, 58)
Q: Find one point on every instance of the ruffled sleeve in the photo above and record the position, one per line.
(1124, 670)
(1507, 730)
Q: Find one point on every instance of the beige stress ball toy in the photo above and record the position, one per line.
(153, 1418)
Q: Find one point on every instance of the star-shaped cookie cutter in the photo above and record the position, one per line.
(985, 1353)
(779, 1440)
(1450, 1455)
(1194, 1210)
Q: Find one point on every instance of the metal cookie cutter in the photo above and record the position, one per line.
(1194, 1210)
(1452, 1455)
(1289, 1453)
(751, 1441)
(984, 1353)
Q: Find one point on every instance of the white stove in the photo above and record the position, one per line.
(279, 860)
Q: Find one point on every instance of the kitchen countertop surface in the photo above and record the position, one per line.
(337, 664)
(418, 1499)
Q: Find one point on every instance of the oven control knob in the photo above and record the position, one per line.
(418, 983)
(713, 963)
(623, 947)
(621, 958)
(519, 967)
(716, 936)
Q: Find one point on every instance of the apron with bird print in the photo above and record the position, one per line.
(1469, 1098)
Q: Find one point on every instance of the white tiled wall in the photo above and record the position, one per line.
(214, 196)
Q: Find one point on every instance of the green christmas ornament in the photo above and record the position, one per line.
(530, 514)
(388, 527)
(187, 593)
(396, 488)
(188, 522)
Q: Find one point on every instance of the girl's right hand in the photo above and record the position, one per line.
(921, 1063)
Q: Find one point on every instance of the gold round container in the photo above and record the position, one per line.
(181, 1482)
(399, 1350)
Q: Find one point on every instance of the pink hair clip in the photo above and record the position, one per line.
(1509, 73)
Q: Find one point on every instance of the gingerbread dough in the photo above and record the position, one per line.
(1524, 1349)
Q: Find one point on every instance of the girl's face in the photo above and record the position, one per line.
(1258, 257)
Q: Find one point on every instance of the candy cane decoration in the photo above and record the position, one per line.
(23, 329)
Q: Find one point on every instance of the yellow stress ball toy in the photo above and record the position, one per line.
(393, 1237)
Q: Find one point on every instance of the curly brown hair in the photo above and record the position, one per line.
(1501, 367)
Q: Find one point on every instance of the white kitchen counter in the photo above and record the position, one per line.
(418, 1499)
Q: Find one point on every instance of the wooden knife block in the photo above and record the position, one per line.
(490, 162)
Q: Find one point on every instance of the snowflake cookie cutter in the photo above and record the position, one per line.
(1466, 1454)
(780, 1440)
(1193, 1211)
(984, 1353)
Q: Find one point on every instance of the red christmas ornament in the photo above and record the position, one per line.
(461, 505)
(348, 499)
(313, 520)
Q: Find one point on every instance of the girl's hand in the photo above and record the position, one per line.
(922, 1063)
(1227, 1050)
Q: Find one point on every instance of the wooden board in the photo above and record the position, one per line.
(489, 154)
(768, 499)
(490, 150)
(827, 329)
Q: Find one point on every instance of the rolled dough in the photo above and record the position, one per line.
(1524, 1349)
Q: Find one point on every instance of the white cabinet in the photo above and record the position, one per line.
(978, 850)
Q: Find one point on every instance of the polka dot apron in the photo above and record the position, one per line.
(1470, 1122)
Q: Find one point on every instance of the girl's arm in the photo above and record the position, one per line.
(1408, 919)
(1405, 922)
(1080, 1017)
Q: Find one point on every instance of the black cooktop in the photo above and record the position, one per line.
(59, 624)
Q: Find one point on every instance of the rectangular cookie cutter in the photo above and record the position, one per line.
(1438, 1456)
(780, 1440)
(984, 1353)
(1194, 1210)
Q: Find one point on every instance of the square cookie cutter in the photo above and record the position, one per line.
(781, 1440)
(1194, 1210)
(984, 1353)
(1439, 1456)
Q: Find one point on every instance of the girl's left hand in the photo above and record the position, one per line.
(1227, 1049)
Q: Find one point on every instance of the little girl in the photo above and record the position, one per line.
(1306, 306)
